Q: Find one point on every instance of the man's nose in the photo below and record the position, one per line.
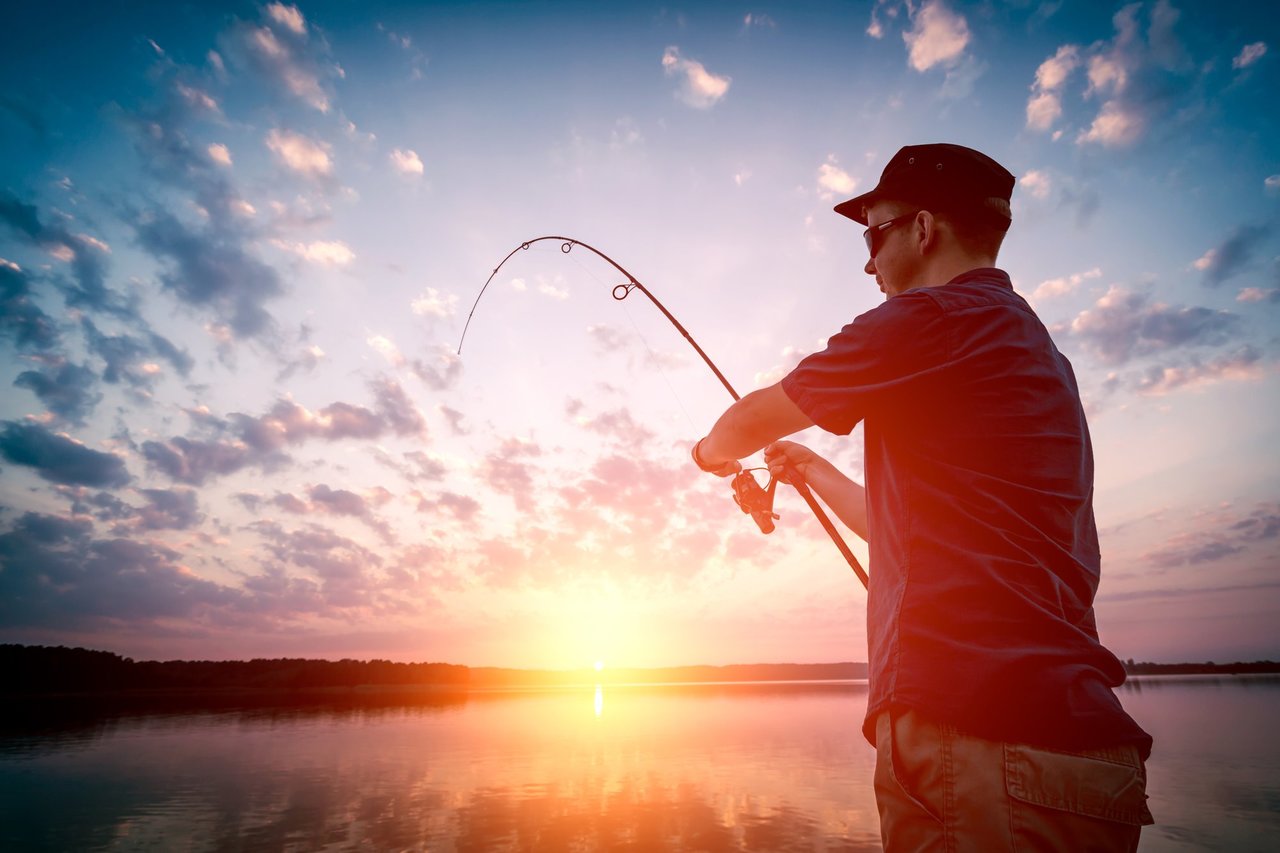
(870, 268)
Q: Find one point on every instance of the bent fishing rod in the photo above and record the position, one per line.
(747, 493)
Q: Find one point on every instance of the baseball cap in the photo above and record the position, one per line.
(939, 176)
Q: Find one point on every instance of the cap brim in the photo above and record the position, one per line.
(853, 207)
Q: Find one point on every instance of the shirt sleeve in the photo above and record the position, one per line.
(883, 359)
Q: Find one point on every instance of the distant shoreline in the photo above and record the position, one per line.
(46, 671)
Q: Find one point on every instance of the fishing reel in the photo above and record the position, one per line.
(755, 501)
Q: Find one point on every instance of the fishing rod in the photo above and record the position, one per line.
(747, 493)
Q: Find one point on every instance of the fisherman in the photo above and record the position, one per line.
(991, 702)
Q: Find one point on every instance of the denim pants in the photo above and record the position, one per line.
(939, 789)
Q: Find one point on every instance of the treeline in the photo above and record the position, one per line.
(50, 669)
(46, 669)
(1257, 667)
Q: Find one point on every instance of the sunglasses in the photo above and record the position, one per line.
(875, 234)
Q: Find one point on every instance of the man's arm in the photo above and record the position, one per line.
(844, 497)
(758, 419)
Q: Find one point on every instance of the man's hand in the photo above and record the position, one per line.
(782, 455)
(720, 469)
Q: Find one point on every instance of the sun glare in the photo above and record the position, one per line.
(599, 666)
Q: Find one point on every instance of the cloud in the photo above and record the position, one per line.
(1138, 81)
(1061, 286)
(791, 356)
(103, 506)
(1116, 124)
(441, 370)
(552, 290)
(455, 419)
(460, 507)
(699, 88)
(219, 154)
(833, 181)
(287, 16)
(875, 28)
(1222, 534)
(343, 567)
(507, 472)
(169, 509)
(195, 461)
(242, 441)
(938, 36)
(617, 426)
(386, 348)
(56, 576)
(324, 500)
(67, 390)
(1037, 183)
(1258, 294)
(86, 256)
(1044, 107)
(60, 459)
(1243, 365)
(282, 53)
(610, 339)
(328, 253)
(406, 162)
(396, 409)
(22, 321)
(197, 100)
(425, 466)
(1122, 325)
(1249, 54)
(433, 303)
(307, 157)
(211, 270)
(1271, 183)
(1233, 256)
(129, 358)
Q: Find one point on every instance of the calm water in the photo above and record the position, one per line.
(729, 767)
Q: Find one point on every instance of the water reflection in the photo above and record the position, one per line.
(708, 767)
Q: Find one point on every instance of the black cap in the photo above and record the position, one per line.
(939, 176)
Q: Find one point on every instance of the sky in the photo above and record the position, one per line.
(239, 242)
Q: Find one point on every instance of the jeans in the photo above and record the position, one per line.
(939, 789)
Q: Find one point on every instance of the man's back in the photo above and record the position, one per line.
(984, 552)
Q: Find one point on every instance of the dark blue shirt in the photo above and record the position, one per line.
(979, 477)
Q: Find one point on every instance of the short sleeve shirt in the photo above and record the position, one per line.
(984, 550)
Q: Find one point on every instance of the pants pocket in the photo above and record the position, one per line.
(909, 753)
(1104, 784)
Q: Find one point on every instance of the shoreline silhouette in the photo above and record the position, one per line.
(52, 670)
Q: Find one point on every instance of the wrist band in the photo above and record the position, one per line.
(697, 460)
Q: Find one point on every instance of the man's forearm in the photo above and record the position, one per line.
(845, 498)
(756, 420)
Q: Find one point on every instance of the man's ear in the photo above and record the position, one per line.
(926, 231)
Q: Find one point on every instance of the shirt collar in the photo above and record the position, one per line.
(986, 275)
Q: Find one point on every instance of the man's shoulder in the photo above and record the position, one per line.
(976, 289)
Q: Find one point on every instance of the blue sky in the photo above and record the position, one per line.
(240, 241)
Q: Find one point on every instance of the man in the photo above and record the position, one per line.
(991, 705)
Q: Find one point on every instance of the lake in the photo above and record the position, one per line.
(722, 767)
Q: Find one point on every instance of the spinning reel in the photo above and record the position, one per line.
(755, 501)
